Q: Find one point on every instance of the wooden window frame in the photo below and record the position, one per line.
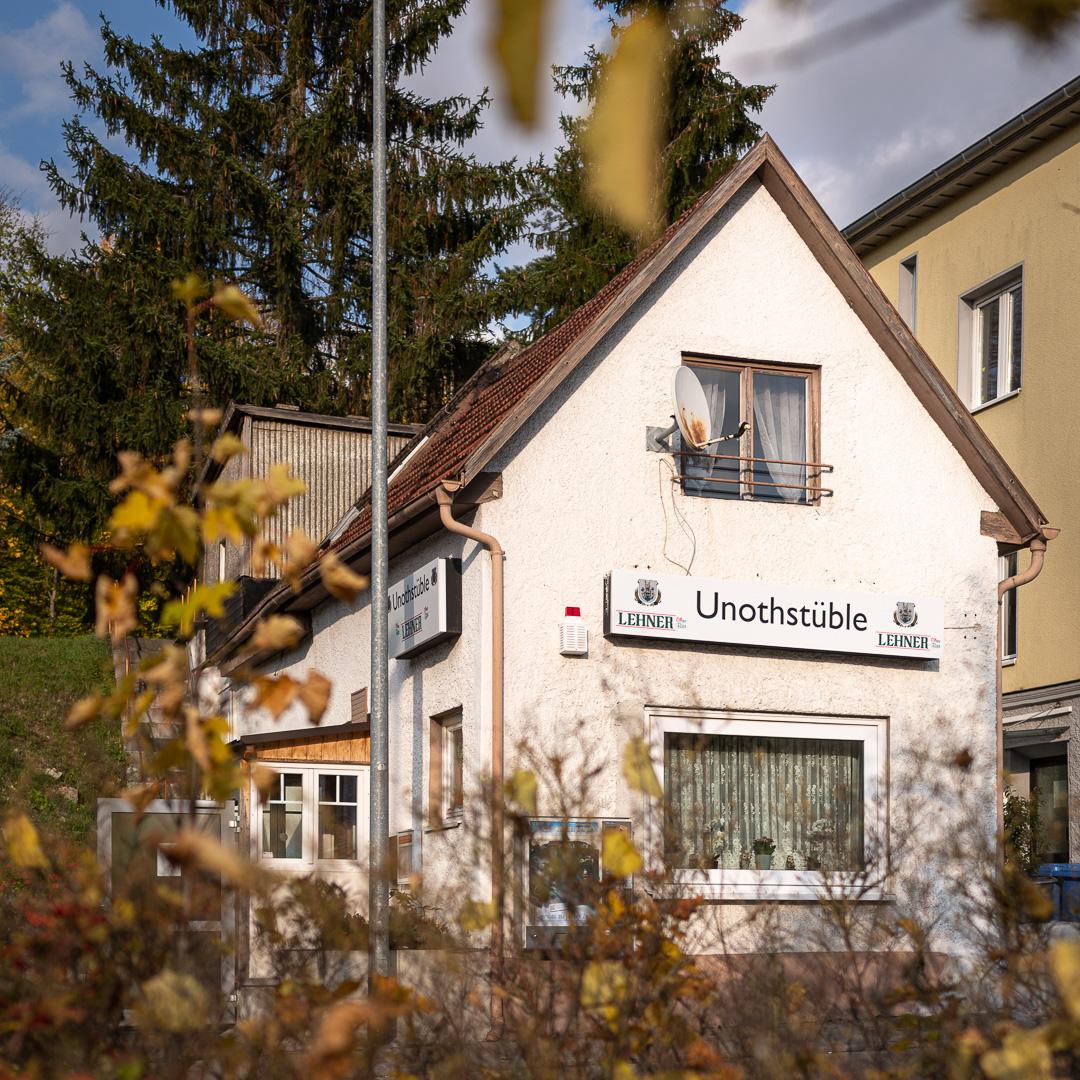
(441, 814)
(745, 444)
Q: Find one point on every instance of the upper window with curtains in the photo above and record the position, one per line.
(775, 457)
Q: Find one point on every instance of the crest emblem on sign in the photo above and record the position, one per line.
(904, 615)
(435, 575)
(647, 593)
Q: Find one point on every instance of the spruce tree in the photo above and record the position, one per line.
(248, 159)
(708, 126)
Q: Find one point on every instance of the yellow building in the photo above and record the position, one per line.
(981, 257)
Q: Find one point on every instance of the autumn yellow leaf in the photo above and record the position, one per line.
(236, 305)
(221, 522)
(275, 693)
(190, 847)
(300, 553)
(23, 844)
(622, 137)
(177, 532)
(182, 613)
(339, 580)
(637, 769)
(603, 989)
(172, 1001)
(114, 603)
(83, 711)
(264, 554)
(521, 789)
(621, 858)
(1023, 1055)
(206, 418)
(73, 563)
(195, 738)
(137, 514)
(314, 695)
(276, 489)
(277, 632)
(264, 779)
(476, 915)
(189, 289)
(1065, 965)
(226, 446)
(518, 42)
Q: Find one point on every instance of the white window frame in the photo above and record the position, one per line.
(441, 815)
(778, 884)
(973, 305)
(309, 846)
(1007, 566)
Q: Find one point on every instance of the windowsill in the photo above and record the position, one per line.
(995, 401)
(772, 885)
(451, 823)
(1008, 661)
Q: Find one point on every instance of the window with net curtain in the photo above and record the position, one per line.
(775, 401)
(725, 791)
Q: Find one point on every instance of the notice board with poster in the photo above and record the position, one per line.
(565, 868)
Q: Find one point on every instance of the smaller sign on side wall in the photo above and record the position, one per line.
(424, 608)
(674, 607)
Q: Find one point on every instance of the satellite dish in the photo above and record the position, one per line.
(691, 408)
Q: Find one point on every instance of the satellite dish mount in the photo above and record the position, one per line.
(691, 418)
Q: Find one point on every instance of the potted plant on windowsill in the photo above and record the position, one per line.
(764, 846)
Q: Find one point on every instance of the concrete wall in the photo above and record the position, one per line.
(583, 496)
(1027, 214)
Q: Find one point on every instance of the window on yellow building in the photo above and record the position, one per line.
(991, 340)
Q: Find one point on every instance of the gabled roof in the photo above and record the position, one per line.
(463, 439)
(1055, 113)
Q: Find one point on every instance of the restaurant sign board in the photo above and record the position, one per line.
(424, 608)
(676, 607)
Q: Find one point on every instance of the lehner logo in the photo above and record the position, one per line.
(905, 615)
(647, 594)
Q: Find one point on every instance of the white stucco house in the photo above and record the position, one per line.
(783, 621)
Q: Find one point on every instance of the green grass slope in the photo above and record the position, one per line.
(40, 678)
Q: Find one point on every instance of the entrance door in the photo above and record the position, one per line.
(133, 847)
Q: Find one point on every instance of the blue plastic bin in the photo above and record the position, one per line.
(1067, 894)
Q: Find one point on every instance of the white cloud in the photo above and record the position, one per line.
(463, 65)
(32, 57)
(874, 114)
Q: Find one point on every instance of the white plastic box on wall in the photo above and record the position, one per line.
(573, 634)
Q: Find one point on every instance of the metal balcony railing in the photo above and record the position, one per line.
(746, 480)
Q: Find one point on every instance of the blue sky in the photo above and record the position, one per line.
(858, 124)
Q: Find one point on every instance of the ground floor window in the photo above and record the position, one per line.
(311, 816)
(1050, 784)
(747, 794)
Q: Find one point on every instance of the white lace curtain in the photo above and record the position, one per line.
(780, 432)
(725, 791)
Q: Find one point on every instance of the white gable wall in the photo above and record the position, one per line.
(583, 496)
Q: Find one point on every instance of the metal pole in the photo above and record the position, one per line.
(379, 838)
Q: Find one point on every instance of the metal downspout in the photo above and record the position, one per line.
(444, 494)
(1037, 547)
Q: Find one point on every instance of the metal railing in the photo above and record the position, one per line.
(745, 477)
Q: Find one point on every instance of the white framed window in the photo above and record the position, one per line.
(446, 770)
(312, 818)
(814, 787)
(909, 294)
(401, 844)
(1009, 565)
(992, 340)
(775, 457)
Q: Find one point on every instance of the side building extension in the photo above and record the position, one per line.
(980, 256)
